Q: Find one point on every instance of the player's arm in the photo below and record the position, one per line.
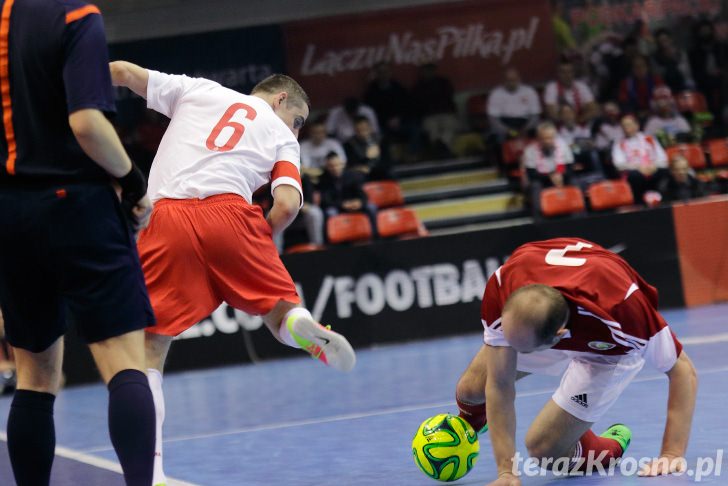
(131, 76)
(500, 393)
(286, 202)
(680, 407)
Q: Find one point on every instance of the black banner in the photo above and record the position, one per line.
(414, 289)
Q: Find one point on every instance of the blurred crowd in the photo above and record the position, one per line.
(615, 111)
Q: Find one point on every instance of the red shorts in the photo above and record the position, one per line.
(198, 253)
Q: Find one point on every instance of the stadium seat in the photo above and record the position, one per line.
(718, 150)
(610, 194)
(691, 101)
(349, 228)
(691, 151)
(558, 201)
(476, 104)
(513, 149)
(303, 248)
(400, 222)
(384, 194)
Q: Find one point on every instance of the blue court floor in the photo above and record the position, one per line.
(295, 422)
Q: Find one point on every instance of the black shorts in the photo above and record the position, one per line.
(67, 251)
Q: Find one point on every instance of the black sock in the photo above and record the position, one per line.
(31, 437)
(131, 425)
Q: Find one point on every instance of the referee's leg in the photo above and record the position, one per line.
(131, 407)
(31, 430)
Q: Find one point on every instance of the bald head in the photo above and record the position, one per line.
(533, 317)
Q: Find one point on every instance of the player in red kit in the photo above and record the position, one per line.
(569, 307)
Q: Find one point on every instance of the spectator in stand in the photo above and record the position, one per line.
(389, 99)
(566, 90)
(666, 124)
(318, 145)
(547, 163)
(671, 63)
(635, 91)
(586, 167)
(342, 190)
(310, 217)
(432, 98)
(681, 183)
(639, 158)
(364, 152)
(513, 108)
(340, 122)
(709, 62)
(607, 129)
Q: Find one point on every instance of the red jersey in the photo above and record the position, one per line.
(613, 311)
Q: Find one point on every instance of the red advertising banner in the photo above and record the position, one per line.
(472, 42)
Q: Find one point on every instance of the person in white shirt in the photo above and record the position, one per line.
(607, 129)
(340, 122)
(666, 123)
(318, 145)
(639, 158)
(513, 108)
(547, 162)
(206, 243)
(567, 90)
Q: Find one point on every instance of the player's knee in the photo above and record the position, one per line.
(539, 446)
(469, 389)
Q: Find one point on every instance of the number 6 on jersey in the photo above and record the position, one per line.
(226, 121)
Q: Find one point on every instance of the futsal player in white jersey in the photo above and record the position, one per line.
(206, 243)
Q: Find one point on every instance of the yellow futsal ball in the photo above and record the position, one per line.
(445, 447)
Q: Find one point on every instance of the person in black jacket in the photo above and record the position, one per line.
(681, 184)
(364, 152)
(342, 190)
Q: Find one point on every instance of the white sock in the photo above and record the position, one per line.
(283, 330)
(155, 383)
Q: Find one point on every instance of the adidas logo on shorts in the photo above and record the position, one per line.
(581, 400)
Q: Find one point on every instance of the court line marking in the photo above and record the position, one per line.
(710, 339)
(376, 413)
(98, 462)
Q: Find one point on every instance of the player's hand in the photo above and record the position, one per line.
(666, 464)
(506, 479)
(141, 213)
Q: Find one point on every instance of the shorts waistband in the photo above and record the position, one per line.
(208, 201)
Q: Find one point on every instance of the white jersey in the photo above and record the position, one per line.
(219, 141)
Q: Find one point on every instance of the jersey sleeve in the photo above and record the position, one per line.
(493, 107)
(86, 74)
(286, 170)
(644, 327)
(490, 312)
(586, 94)
(165, 91)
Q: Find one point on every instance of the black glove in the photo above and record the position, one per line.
(133, 189)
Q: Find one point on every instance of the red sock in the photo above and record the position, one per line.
(472, 414)
(592, 442)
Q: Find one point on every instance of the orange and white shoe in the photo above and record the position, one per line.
(321, 342)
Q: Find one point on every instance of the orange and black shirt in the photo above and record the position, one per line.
(53, 61)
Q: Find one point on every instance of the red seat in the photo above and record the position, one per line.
(303, 248)
(691, 101)
(557, 201)
(349, 228)
(691, 151)
(399, 222)
(384, 194)
(610, 194)
(513, 149)
(718, 150)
